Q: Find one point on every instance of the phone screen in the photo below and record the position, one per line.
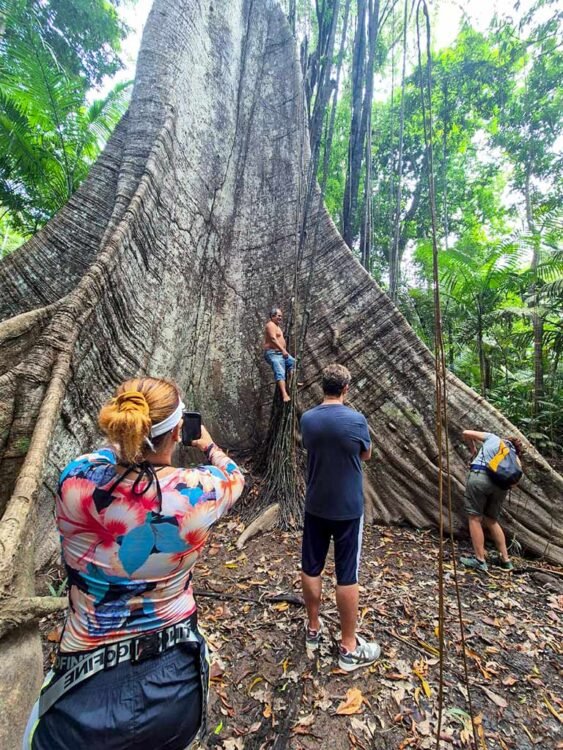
(191, 427)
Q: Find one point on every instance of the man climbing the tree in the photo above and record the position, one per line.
(337, 441)
(276, 354)
(494, 468)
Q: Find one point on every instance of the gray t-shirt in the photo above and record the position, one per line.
(487, 451)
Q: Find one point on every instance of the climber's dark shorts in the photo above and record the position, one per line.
(157, 703)
(347, 535)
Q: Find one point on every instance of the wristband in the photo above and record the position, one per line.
(209, 448)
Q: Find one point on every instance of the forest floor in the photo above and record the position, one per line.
(266, 692)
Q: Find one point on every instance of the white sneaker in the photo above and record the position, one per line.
(313, 637)
(363, 655)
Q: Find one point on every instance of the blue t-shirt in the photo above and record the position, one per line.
(334, 436)
(488, 450)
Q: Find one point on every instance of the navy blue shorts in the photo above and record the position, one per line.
(156, 704)
(347, 535)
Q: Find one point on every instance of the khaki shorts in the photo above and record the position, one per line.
(482, 496)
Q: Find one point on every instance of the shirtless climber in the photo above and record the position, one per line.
(275, 352)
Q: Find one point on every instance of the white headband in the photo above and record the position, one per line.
(169, 423)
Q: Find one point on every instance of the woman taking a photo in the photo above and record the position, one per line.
(132, 669)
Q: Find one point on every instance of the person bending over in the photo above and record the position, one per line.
(132, 671)
(483, 498)
(337, 440)
(276, 354)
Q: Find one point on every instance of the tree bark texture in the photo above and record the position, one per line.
(167, 261)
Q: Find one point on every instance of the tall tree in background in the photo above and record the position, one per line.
(468, 79)
(528, 129)
(368, 24)
(497, 107)
(84, 35)
(394, 255)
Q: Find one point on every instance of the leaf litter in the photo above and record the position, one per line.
(266, 691)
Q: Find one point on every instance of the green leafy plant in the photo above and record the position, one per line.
(49, 133)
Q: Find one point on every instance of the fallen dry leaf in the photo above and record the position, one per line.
(54, 636)
(425, 685)
(510, 680)
(367, 728)
(497, 699)
(303, 723)
(233, 743)
(423, 728)
(254, 682)
(398, 696)
(217, 670)
(352, 703)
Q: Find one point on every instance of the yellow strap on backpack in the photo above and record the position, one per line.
(502, 453)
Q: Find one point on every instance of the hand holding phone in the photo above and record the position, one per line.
(204, 441)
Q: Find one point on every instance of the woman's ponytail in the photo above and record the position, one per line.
(127, 423)
(127, 419)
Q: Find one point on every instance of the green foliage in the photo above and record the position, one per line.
(49, 133)
(487, 312)
(10, 239)
(529, 122)
(336, 176)
(497, 130)
(58, 588)
(84, 35)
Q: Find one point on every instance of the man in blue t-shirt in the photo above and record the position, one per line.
(337, 440)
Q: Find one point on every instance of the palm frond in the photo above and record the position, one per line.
(48, 135)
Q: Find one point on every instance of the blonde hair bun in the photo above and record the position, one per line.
(128, 417)
(132, 401)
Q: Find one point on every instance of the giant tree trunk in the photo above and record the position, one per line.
(167, 261)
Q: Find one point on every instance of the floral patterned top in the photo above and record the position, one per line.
(129, 556)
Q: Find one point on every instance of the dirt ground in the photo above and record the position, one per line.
(266, 692)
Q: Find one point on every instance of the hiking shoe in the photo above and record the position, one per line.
(473, 562)
(363, 655)
(313, 637)
(506, 565)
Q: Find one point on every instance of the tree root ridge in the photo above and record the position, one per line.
(268, 519)
(71, 314)
(281, 461)
(19, 612)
